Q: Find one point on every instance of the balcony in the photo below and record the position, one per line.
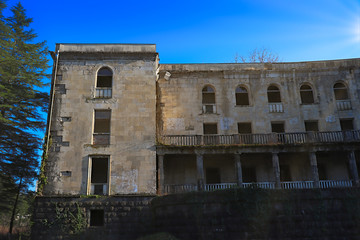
(323, 184)
(103, 92)
(343, 105)
(276, 108)
(261, 139)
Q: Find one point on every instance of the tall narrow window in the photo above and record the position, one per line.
(340, 91)
(242, 96)
(99, 175)
(104, 83)
(285, 174)
(208, 99)
(306, 94)
(273, 94)
(102, 127)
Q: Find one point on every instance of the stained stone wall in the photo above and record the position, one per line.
(180, 95)
(131, 152)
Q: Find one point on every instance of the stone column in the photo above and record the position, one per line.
(276, 168)
(200, 171)
(238, 170)
(353, 168)
(314, 169)
(160, 174)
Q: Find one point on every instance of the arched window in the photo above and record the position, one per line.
(273, 94)
(306, 94)
(104, 83)
(242, 96)
(208, 99)
(340, 91)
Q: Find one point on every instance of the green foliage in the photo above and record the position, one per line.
(69, 222)
(23, 64)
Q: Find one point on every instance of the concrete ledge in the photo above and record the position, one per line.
(106, 48)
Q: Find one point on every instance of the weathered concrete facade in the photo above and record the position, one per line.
(131, 148)
(121, 123)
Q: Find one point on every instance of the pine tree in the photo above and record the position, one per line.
(23, 64)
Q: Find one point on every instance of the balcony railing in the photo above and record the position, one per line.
(261, 139)
(276, 108)
(103, 92)
(101, 138)
(178, 188)
(343, 105)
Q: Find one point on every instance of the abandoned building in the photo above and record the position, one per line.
(121, 123)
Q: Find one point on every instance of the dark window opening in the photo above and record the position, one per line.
(99, 175)
(242, 97)
(340, 91)
(210, 128)
(322, 172)
(249, 174)
(208, 95)
(213, 175)
(244, 128)
(285, 174)
(102, 127)
(273, 94)
(277, 127)
(104, 83)
(96, 217)
(311, 126)
(346, 124)
(306, 94)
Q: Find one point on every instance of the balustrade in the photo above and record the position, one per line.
(262, 139)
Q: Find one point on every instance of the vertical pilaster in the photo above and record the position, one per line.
(353, 168)
(200, 171)
(314, 169)
(238, 170)
(160, 174)
(276, 169)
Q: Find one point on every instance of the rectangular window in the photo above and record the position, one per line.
(244, 127)
(322, 171)
(210, 128)
(311, 126)
(277, 127)
(102, 127)
(97, 217)
(346, 124)
(99, 175)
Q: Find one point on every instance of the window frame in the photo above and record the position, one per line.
(306, 92)
(337, 93)
(104, 92)
(242, 93)
(94, 134)
(273, 92)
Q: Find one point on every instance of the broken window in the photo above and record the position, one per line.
(213, 175)
(249, 174)
(242, 97)
(97, 217)
(102, 127)
(244, 127)
(104, 83)
(311, 126)
(306, 94)
(210, 128)
(208, 99)
(99, 175)
(340, 91)
(273, 94)
(277, 127)
(346, 124)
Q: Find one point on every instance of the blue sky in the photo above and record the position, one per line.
(206, 31)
